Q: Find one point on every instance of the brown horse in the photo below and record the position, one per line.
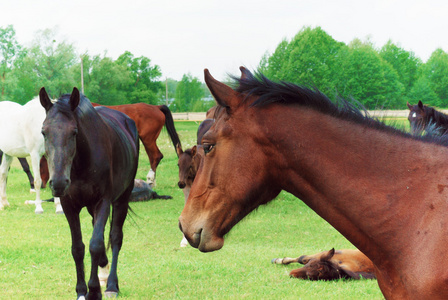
(189, 162)
(421, 116)
(349, 168)
(150, 120)
(331, 265)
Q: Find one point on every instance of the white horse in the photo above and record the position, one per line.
(20, 136)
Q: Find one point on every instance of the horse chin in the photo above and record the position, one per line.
(207, 241)
(59, 192)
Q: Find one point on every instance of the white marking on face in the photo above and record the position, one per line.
(414, 115)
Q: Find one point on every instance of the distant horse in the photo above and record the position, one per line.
(331, 265)
(26, 169)
(150, 120)
(20, 136)
(189, 162)
(352, 170)
(421, 116)
(93, 157)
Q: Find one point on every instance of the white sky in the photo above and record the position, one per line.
(186, 36)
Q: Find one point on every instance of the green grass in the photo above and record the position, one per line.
(36, 261)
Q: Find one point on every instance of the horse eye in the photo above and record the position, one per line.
(208, 148)
(43, 133)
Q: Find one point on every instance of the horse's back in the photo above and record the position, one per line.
(20, 128)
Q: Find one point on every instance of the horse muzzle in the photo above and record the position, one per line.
(181, 184)
(59, 186)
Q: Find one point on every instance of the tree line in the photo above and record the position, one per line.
(381, 78)
(377, 78)
(57, 66)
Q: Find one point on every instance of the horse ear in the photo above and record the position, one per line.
(327, 256)
(245, 73)
(193, 150)
(223, 94)
(409, 105)
(420, 104)
(44, 99)
(74, 99)
(179, 150)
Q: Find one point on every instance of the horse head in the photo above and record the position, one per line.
(233, 174)
(60, 131)
(417, 117)
(187, 170)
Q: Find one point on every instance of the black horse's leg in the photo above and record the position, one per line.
(26, 169)
(97, 248)
(78, 248)
(119, 213)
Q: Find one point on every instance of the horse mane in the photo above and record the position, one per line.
(285, 93)
(435, 116)
(83, 108)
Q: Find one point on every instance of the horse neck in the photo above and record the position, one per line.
(357, 178)
(88, 139)
(440, 119)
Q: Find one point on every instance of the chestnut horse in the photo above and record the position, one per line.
(331, 265)
(93, 157)
(150, 120)
(189, 162)
(421, 116)
(352, 170)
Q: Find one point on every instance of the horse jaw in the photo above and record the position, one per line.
(200, 237)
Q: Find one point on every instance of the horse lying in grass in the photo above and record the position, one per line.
(331, 265)
(142, 191)
(351, 169)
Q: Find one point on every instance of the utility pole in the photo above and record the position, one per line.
(166, 91)
(82, 77)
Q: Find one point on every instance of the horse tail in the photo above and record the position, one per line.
(169, 124)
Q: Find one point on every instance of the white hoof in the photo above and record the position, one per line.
(184, 242)
(151, 179)
(109, 294)
(59, 209)
(29, 202)
(3, 204)
(82, 298)
(32, 190)
(39, 210)
(103, 274)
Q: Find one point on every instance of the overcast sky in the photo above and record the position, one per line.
(186, 36)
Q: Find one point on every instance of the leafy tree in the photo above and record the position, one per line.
(422, 91)
(10, 50)
(146, 84)
(368, 78)
(436, 71)
(405, 63)
(105, 81)
(51, 62)
(189, 90)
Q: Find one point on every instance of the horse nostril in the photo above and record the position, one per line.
(181, 184)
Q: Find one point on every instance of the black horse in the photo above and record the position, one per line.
(421, 116)
(92, 157)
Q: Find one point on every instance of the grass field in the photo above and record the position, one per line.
(36, 261)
